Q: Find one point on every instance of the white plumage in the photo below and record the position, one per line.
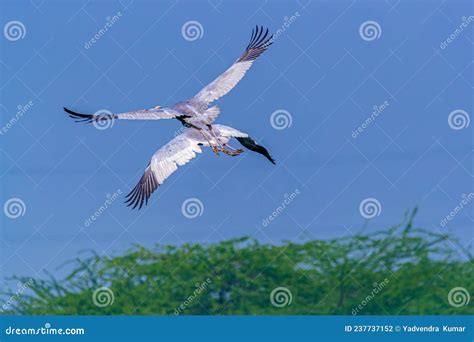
(177, 152)
(223, 84)
(198, 119)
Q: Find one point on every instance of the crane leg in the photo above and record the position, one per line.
(215, 149)
(234, 152)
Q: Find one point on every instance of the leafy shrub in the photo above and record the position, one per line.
(399, 271)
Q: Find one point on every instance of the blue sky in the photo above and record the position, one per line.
(325, 73)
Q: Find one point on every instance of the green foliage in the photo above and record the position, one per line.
(399, 271)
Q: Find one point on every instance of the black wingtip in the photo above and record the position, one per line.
(253, 146)
(260, 40)
(264, 151)
(141, 193)
(79, 117)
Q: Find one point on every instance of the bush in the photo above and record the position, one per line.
(399, 271)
